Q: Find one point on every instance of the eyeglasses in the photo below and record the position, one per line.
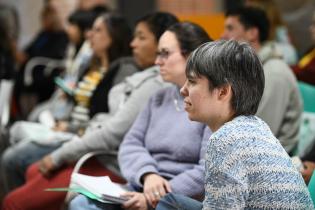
(163, 54)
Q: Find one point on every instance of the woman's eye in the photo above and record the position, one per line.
(191, 81)
(141, 37)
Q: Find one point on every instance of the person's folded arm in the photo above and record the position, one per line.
(134, 159)
(110, 135)
(191, 182)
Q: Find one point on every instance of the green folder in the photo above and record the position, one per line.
(77, 190)
(103, 198)
(62, 84)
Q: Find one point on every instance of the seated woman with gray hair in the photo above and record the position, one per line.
(246, 166)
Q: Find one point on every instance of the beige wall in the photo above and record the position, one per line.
(64, 8)
(29, 15)
(297, 14)
(28, 11)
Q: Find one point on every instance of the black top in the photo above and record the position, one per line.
(50, 44)
(7, 65)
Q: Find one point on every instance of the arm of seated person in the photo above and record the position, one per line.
(47, 166)
(155, 187)
(61, 126)
(137, 201)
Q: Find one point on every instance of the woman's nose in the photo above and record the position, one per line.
(183, 90)
(133, 43)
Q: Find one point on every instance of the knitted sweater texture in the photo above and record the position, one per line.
(247, 168)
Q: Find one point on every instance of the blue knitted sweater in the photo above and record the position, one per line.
(247, 168)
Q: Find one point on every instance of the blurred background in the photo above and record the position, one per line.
(40, 28)
(297, 14)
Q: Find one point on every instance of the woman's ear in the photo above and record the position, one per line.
(225, 92)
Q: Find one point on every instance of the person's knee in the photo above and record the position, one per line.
(77, 203)
(16, 157)
(169, 197)
(32, 171)
(15, 132)
(81, 202)
(9, 158)
(167, 202)
(11, 170)
(173, 201)
(9, 203)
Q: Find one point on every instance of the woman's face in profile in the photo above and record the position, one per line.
(99, 37)
(170, 59)
(144, 45)
(74, 33)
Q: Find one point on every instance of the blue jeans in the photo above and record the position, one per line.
(16, 159)
(81, 202)
(178, 202)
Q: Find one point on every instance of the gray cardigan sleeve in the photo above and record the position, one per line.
(110, 135)
(193, 179)
(127, 68)
(134, 158)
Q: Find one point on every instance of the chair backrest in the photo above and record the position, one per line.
(307, 127)
(49, 64)
(311, 187)
(70, 195)
(307, 134)
(308, 95)
(6, 88)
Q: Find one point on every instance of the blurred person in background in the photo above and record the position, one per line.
(12, 20)
(77, 60)
(278, 34)
(79, 22)
(308, 161)
(125, 101)
(110, 40)
(50, 42)
(7, 61)
(305, 72)
(305, 69)
(9, 34)
(51, 31)
(281, 103)
(88, 4)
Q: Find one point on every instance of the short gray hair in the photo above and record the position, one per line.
(230, 63)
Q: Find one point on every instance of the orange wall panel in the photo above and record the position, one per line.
(212, 23)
